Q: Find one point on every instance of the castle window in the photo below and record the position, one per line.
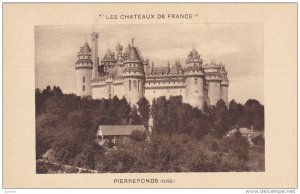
(196, 81)
(129, 85)
(134, 83)
(83, 79)
(139, 85)
(83, 88)
(153, 91)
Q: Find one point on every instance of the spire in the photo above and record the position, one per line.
(134, 56)
(86, 48)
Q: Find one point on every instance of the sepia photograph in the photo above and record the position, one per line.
(149, 98)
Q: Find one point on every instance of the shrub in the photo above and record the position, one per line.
(138, 135)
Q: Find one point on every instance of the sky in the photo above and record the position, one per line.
(238, 46)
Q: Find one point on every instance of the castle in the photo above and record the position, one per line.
(126, 73)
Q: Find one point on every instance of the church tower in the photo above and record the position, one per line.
(134, 76)
(194, 79)
(95, 57)
(83, 68)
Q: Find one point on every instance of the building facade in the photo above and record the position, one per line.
(125, 73)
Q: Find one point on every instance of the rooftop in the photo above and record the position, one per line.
(122, 130)
(134, 54)
(160, 70)
(85, 49)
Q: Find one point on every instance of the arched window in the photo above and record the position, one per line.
(83, 79)
(129, 85)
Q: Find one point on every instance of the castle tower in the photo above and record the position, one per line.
(224, 84)
(213, 78)
(108, 62)
(119, 63)
(95, 57)
(83, 68)
(134, 76)
(206, 86)
(194, 74)
(194, 59)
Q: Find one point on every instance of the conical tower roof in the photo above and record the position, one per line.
(134, 55)
(86, 48)
(108, 54)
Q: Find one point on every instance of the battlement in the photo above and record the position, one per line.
(127, 74)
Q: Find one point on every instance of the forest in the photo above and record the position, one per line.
(183, 139)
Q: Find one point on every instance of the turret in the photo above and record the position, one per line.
(119, 61)
(169, 67)
(109, 62)
(83, 68)
(95, 57)
(224, 84)
(213, 79)
(206, 86)
(194, 80)
(134, 76)
(194, 59)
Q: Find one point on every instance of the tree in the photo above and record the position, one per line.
(159, 113)
(175, 113)
(135, 117)
(254, 114)
(144, 110)
(235, 112)
(38, 101)
(220, 115)
(138, 135)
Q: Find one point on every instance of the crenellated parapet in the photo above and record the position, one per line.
(124, 72)
(83, 68)
(194, 59)
(194, 71)
(84, 60)
(223, 72)
(212, 72)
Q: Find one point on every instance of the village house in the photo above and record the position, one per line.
(245, 132)
(112, 132)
